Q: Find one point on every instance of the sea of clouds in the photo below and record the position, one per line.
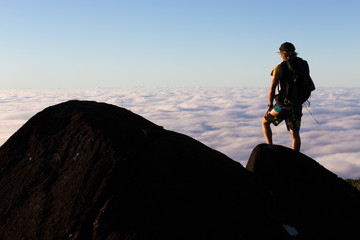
(226, 119)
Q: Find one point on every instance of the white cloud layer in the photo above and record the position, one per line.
(228, 119)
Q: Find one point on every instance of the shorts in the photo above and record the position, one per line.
(277, 114)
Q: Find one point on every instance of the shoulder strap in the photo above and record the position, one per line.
(290, 67)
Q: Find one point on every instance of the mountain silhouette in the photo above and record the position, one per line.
(88, 170)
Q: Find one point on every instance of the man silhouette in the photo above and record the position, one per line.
(284, 109)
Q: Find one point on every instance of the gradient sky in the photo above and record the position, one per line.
(174, 43)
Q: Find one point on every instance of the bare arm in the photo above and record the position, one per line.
(274, 83)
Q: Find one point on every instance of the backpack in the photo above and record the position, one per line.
(297, 85)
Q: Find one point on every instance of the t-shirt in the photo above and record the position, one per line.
(275, 72)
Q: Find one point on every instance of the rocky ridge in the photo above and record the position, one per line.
(88, 170)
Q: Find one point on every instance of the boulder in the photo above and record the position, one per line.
(315, 201)
(88, 170)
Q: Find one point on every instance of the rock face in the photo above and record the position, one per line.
(87, 170)
(309, 197)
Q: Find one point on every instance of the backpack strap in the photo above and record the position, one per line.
(290, 67)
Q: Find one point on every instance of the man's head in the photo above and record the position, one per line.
(287, 47)
(287, 51)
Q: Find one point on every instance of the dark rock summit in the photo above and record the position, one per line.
(87, 170)
(308, 196)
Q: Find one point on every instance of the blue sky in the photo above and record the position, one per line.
(173, 43)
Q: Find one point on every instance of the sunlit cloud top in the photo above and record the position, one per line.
(226, 119)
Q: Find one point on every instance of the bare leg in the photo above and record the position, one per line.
(296, 141)
(267, 131)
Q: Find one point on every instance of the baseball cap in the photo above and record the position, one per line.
(288, 47)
